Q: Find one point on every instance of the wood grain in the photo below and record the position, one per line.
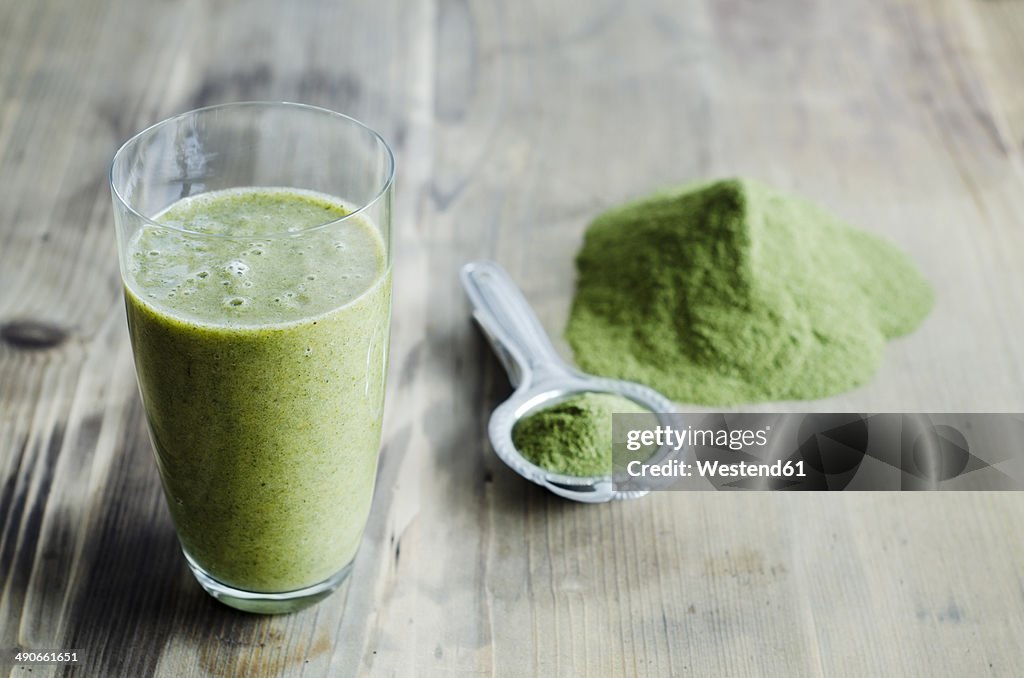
(514, 124)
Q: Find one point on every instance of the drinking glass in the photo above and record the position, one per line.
(254, 242)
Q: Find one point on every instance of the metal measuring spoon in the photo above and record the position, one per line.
(541, 379)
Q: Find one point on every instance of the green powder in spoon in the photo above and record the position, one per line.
(573, 437)
(731, 292)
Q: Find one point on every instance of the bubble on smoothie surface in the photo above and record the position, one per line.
(237, 267)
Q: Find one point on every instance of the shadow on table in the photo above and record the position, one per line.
(134, 595)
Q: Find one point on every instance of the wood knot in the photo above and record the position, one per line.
(33, 335)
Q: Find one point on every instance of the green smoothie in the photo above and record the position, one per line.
(260, 342)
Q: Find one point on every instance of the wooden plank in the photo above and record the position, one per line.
(995, 32)
(88, 555)
(876, 109)
(514, 124)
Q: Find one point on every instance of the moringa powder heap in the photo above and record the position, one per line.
(573, 437)
(730, 292)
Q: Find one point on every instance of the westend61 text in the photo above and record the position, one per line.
(675, 468)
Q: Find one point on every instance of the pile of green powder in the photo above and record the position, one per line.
(573, 437)
(730, 292)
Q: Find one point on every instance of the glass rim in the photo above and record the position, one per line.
(135, 138)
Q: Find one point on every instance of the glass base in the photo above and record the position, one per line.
(267, 603)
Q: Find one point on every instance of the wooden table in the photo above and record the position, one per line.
(514, 124)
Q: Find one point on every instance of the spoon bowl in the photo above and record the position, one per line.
(541, 380)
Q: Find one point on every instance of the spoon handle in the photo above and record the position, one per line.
(510, 324)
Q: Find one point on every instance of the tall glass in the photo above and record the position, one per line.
(254, 245)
